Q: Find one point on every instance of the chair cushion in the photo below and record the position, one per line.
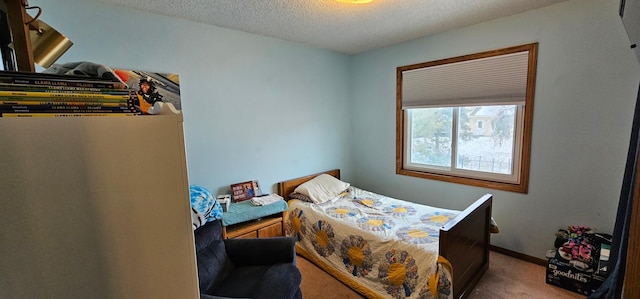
(241, 282)
(205, 234)
(213, 265)
(280, 281)
(277, 281)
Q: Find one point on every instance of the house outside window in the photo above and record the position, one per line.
(468, 119)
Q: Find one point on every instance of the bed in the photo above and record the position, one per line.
(461, 244)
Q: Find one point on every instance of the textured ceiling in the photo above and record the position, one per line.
(347, 28)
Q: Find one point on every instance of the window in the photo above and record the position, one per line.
(468, 119)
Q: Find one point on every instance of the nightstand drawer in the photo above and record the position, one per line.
(249, 235)
(273, 230)
(261, 228)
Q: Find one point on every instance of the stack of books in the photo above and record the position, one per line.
(24, 94)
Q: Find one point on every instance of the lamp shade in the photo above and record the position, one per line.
(48, 44)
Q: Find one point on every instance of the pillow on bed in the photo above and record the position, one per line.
(322, 188)
(300, 196)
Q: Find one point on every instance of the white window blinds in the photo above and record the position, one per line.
(496, 80)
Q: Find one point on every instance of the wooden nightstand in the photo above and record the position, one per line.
(266, 227)
(244, 220)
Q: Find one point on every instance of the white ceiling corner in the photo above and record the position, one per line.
(346, 28)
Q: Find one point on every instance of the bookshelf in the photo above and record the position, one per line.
(89, 200)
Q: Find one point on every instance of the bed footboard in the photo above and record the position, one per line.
(465, 242)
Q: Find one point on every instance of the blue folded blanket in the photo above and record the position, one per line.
(204, 206)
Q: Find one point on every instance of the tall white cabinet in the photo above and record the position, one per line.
(95, 207)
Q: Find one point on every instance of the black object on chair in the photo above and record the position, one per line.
(245, 268)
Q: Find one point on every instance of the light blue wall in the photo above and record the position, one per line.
(586, 88)
(261, 108)
(254, 107)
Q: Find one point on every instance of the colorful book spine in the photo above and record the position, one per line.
(69, 111)
(126, 103)
(59, 80)
(63, 99)
(65, 114)
(64, 108)
(63, 89)
(89, 84)
(39, 94)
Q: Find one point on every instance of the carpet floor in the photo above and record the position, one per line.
(507, 277)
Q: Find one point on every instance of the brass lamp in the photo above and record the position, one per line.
(47, 44)
(33, 40)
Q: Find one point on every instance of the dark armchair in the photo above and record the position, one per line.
(245, 268)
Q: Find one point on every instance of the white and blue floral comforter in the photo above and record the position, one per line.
(380, 246)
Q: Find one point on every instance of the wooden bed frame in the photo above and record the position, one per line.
(464, 241)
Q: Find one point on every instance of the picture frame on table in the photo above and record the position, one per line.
(245, 190)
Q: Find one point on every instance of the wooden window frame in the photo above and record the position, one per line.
(523, 182)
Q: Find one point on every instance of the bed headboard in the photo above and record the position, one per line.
(286, 187)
